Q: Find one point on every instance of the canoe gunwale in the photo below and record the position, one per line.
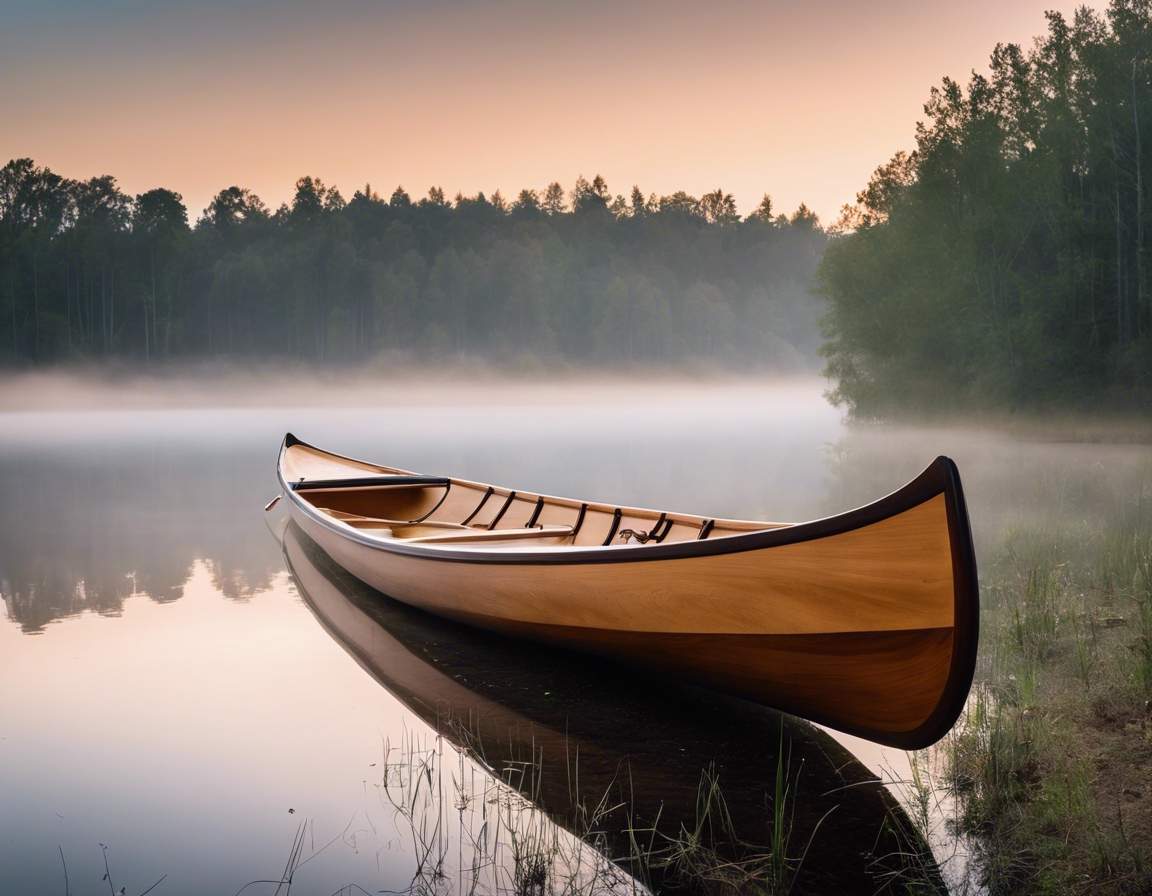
(939, 478)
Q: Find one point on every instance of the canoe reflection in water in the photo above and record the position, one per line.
(680, 786)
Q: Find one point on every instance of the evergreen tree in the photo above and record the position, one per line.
(1004, 262)
(88, 272)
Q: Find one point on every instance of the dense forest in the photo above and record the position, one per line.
(581, 277)
(1004, 263)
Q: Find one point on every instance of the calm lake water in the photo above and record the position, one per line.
(189, 691)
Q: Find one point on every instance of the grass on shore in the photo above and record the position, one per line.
(1052, 762)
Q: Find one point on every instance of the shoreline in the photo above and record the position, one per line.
(371, 386)
(202, 387)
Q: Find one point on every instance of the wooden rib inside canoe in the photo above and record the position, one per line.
(866, 621)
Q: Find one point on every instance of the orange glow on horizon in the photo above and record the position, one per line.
(802, 101)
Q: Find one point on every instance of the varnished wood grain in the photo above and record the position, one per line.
(891, 576)
(464, 497)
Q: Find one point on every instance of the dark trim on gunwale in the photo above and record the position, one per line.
(307, 485)
(939, 478)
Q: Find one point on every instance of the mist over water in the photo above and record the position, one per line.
(733, 447)
(134, 551)
(1011, 478)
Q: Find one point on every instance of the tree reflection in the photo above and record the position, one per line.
(83, 530)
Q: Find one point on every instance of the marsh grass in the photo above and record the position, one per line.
(1052, 761)
(475, 829)
(711, 857)
(931, 857)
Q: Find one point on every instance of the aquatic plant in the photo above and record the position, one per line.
(710, 857)
(499, 840)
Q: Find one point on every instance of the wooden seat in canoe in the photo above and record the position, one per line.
(358, 521)
(471, 535)
(433, 532)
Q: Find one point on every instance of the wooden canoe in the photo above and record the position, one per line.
(866, 621)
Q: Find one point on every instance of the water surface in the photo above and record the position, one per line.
(172, 690)
(167, 692)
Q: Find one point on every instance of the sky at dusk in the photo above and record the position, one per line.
(799, 100)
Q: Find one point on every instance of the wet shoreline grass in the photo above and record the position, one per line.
(1052, 762)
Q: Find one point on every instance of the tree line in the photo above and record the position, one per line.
(1004, 262)
(580, 276)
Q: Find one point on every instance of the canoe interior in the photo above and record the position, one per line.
(474, 513)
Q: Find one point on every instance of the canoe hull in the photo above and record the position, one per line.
(865, 622)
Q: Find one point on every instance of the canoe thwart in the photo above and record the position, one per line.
(616, 514)
(371, 482)
(503, 510)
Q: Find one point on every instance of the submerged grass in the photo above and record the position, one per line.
(712, 858)
(499, 840)
(474, 832)
(930, 858)
(1052, 761)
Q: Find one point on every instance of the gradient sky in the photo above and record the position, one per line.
(800, 100)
